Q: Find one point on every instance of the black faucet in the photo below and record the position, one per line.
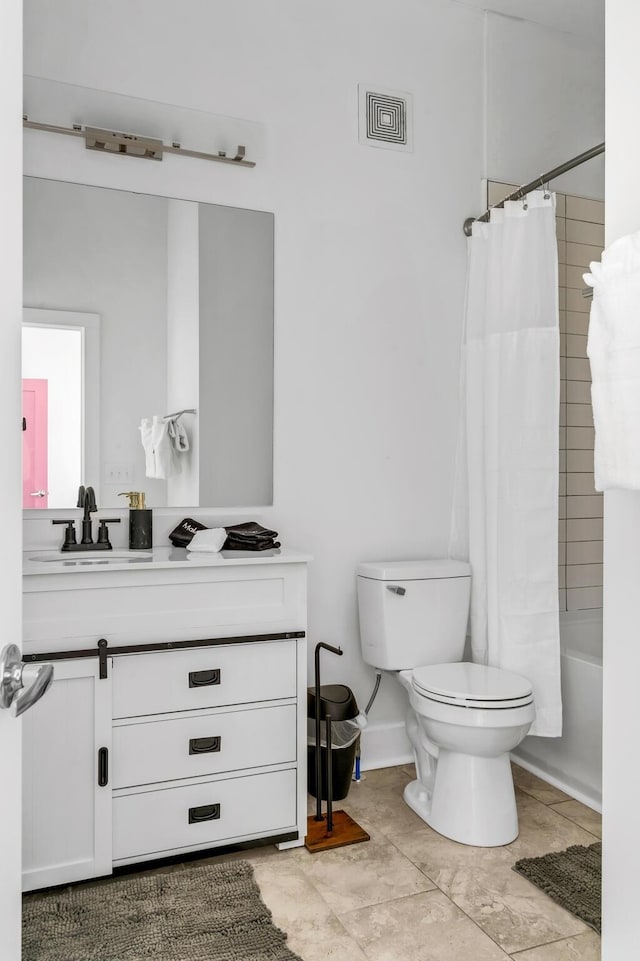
(87, 501)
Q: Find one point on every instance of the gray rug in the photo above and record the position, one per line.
(573, 878)
(199, 912)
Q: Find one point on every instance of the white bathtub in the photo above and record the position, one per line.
(573, 762)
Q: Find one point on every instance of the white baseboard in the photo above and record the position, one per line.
(385, 744)
(566, 786)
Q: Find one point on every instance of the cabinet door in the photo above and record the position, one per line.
(66, 803)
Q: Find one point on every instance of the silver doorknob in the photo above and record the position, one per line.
(15, 676)
(40, 493)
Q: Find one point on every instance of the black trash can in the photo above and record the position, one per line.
(339, 703)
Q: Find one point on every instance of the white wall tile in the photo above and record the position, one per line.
(562, 486)
(583, 552)
(584, 598)
(562, 600)
(561, 205)
(562, 577)
(563, 414)
(584, 575)
(498, 191)
(563, 392)
(562, 251)
(562, 532)
(562, 507)
(561, 232)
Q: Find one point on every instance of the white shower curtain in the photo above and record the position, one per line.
(506, 501)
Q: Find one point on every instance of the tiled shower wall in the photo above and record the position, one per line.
(580, 232)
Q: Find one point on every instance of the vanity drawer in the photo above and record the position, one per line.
(172, 748)
(203, 814)
(203, 677)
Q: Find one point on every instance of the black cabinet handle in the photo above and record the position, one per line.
(103, 766)
(204, 745)
(204, 678)
(206, 812)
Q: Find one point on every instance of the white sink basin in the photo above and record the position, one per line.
(90, 557)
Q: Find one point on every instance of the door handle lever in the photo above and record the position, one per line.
(15, 677)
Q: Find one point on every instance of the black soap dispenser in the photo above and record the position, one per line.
(140, 522)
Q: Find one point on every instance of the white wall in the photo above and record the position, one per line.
(621, 775)
(370, 254)
(545, 104)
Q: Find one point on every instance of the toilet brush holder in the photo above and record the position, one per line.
(338, 828)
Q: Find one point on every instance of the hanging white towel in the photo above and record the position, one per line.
(147, 443)
(208, 541)
(165, 461)
(178, 435)
(613, 348)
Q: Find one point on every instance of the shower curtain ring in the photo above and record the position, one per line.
(547, 195)
(525, 205)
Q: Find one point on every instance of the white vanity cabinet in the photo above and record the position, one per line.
(168, 742)
(66, 793)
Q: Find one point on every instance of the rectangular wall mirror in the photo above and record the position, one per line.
(138, 307)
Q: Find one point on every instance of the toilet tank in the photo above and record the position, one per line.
(413, 613)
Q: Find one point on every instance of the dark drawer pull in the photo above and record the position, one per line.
(204, 745)
(103, 766)
(206, 812)
(204, 678)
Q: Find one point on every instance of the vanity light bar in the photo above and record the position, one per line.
(131, 145)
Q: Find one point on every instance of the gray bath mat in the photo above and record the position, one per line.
(199, 912)
(573, 878)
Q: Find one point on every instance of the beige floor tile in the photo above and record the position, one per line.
(584, 947)
(542, 830)
(363, 874)
(482, 882)
(537, 788)
(586, 817)
(425, 927)
(378, 799)
(313, 930)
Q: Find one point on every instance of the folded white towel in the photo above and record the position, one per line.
(208, 541)
(614, 352)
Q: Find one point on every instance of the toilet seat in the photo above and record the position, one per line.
(472, 686)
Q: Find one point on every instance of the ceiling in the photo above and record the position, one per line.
(585, 17)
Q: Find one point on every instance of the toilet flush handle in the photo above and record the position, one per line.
(396, 589)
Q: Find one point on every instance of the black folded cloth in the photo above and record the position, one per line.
(181, 535)
(237, 546)
(249, 536)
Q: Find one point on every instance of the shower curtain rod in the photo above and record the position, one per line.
(538, 182)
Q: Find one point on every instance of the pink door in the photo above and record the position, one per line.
(34, 443)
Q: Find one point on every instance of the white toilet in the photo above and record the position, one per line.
(463, 718)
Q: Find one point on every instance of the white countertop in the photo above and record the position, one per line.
(55, 562)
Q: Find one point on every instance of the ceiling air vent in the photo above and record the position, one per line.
(385, 118)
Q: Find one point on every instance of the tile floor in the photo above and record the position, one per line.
(411, 895)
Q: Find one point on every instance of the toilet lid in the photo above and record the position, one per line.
(472, 685)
